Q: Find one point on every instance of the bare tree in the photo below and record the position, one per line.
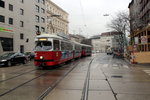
(120, 23)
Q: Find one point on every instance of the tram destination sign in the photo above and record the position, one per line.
(42, 39)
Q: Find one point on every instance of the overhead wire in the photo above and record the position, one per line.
(83, 16)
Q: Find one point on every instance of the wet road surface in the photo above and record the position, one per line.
(110, 79)
(107, 79)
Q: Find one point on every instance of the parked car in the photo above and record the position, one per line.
(29, 55)
(9, 59)
(118, 54)
(109, 52)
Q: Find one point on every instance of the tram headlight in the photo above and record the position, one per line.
(41, 57)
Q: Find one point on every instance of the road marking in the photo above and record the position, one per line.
(105, 65)
(147, 71)
(125, 66)
(115, 65)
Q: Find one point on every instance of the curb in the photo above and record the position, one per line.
(128, 61)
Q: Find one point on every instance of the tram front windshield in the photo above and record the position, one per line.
(43, 46)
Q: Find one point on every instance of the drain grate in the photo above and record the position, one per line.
(116, 76)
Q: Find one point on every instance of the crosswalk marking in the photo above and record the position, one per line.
(105, 65)
(125, 66)
(147, 71)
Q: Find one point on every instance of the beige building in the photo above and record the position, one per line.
(108, 40)
(139, 14)
(77, 38)
(19, 21)
(139, 49)
(57, 18)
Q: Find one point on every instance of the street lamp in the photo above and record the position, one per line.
(50, 22)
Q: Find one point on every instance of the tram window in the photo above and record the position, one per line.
(43, 45)
(56, 45)
(77, 47)
(148, 32)
(62, 46)
(70, 47)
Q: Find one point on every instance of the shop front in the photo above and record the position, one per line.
(6, 40)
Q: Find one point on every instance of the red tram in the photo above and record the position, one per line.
(53, 50)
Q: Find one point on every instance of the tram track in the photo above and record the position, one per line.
(20, 71)
(45, 93)
(21, 85)
(86, 83)
(38, 77)
(14, 69)
(17, 76)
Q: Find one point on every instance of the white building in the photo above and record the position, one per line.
(108, 40)
(19, 21)
(96, 43)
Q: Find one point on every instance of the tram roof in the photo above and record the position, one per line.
(81, 44)
(86, 45)
(49, 36)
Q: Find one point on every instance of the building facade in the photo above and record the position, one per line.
(139, 13)
(139, 48)
(77, 38)
(57, 18)
(19, 21)
(105, 41)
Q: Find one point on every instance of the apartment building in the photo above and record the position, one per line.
(57, 18)
(19, 22)
(107, 40)
(139, 48)
(139, 13)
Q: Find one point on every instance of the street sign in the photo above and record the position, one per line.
(143, 39)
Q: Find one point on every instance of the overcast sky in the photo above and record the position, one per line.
(86, 16)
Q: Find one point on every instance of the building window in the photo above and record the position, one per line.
(21, 36)
(22, 48)
(37, 19)
(21, 24)
(11, 21)
(10, 7)
(37, 29)
(42, 10)
(37, 8)
(42, 29)
(43, 2)
(22, 1)
(42, 20)
(7, 44)
(21, 11)
(2, 4)
(2, 18)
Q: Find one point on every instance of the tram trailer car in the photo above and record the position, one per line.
(77, 50)
(52, 50)
(86, 50)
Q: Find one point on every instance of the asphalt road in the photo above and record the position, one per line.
(99, 77)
